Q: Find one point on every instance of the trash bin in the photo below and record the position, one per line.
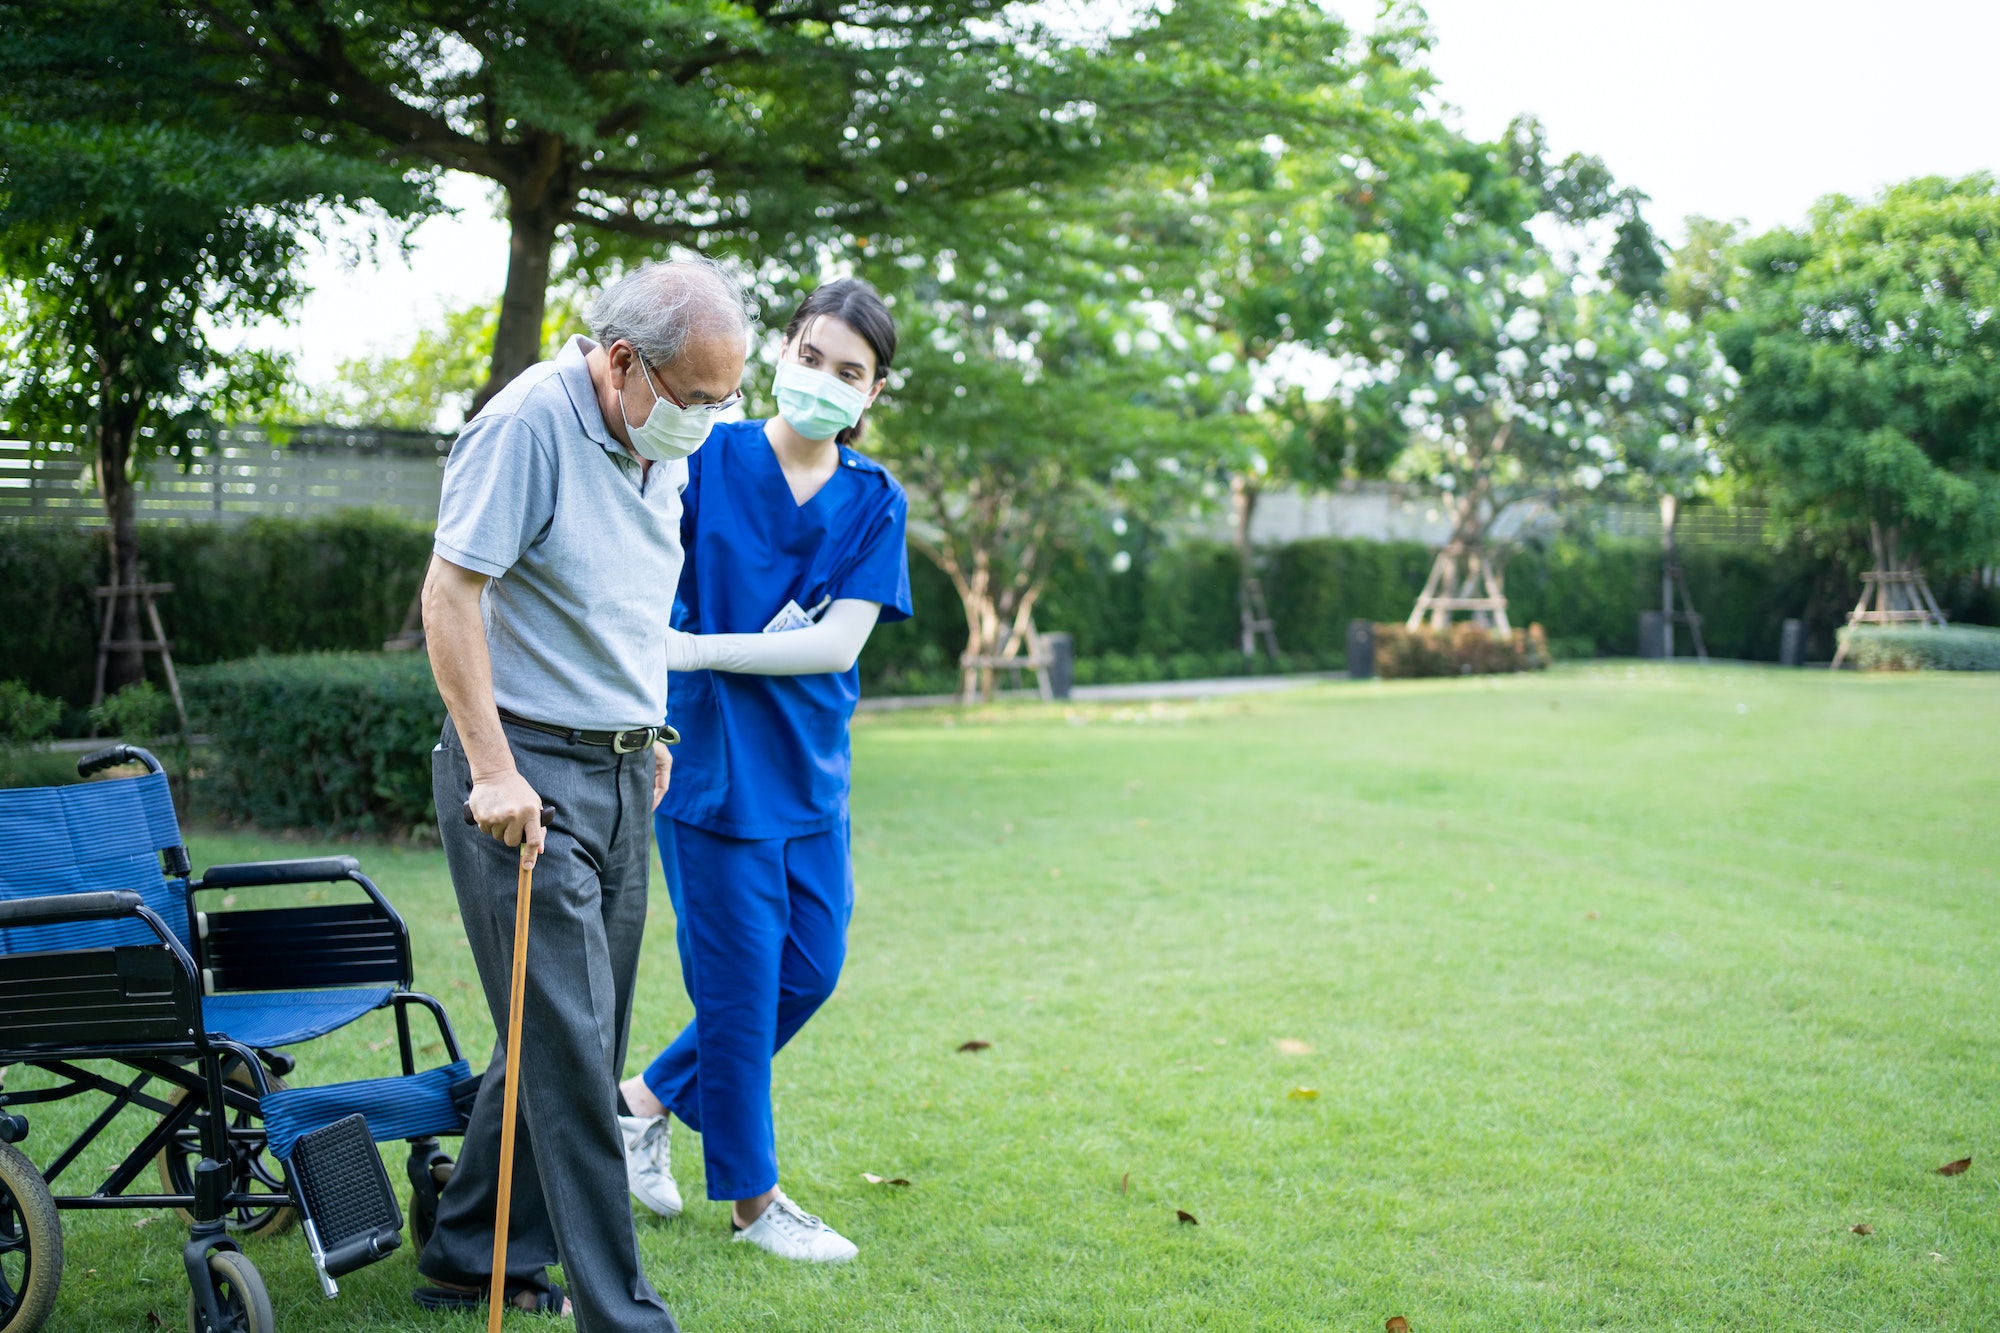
(1062, 663)
(1792, 644)
(1652, 634)
(1360, 649)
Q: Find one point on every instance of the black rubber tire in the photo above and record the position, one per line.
(176, 1175)
(239, 1290)
(31, 1249)
(422, 1212)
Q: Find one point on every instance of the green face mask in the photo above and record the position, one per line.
(814, 403)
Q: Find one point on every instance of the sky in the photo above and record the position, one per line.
(1746, 109)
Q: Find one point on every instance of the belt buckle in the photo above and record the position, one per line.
(618, 745)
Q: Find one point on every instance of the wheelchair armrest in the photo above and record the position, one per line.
(253, 874)
(97, 906)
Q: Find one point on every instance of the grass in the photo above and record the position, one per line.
(1625, 994)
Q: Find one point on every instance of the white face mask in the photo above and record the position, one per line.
(668, 432)
(814, 403)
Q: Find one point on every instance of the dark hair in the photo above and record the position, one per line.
(860, 307)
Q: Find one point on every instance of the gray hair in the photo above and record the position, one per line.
(658, 307)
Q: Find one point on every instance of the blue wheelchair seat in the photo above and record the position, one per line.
(270, 1019)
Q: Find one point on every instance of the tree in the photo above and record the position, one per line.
(1490, 385)
(130, 253)
(1869, 355)
(1024, 405)
(1086, 356)
(1275, 245)
(769, 130)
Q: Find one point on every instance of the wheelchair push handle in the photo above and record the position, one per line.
(111, 756)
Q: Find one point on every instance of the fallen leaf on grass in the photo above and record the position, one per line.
(153, 1319)
(1396, 1324)
(1590, 916)
(1125, 1183)
(1304, 1094)
(1293, 1046)
(142, 1222)
(460, 983)
(381, 1045)
(1862, 1229)
(1186, 1217)
(974, 1045)
(874, 1179)
(1958, 1168)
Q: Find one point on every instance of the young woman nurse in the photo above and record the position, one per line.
(795, 548)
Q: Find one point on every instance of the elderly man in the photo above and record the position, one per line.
(546, 610)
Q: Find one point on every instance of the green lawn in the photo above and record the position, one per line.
(1625, 992)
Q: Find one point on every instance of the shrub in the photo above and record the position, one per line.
(1463, 650)
(138, 713)
(25, 717)
(1920, 648)
(336, 741)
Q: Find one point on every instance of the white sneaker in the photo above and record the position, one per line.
(647, 1171)
(789, 1232)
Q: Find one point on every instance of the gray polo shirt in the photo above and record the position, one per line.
(584, 554)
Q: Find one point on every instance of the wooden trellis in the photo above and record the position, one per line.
(1463, 578)
(140, 598)
(1892, 593)
(1024, 650)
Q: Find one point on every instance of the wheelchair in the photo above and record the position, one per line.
(112, 954)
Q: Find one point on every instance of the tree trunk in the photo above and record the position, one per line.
(115, 432)
(1243, 493)
(533, 213)
(1670, 512)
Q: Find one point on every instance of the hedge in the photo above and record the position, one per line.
(1918, 648)
(344, 582)
(281, 585)
(333, 741)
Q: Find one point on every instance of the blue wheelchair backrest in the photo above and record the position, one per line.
(96, 835)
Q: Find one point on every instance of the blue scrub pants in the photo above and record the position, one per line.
(762, 929)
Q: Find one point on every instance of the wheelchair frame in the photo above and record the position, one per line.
(140, 1006)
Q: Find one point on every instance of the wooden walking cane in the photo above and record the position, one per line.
(510, 1103)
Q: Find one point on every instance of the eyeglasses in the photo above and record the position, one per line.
(667, 393)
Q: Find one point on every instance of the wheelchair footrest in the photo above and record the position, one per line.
(351, 1216)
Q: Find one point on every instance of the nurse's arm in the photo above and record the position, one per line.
(503, 804)
(831, 645)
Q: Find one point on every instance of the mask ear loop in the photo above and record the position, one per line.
(645, 374)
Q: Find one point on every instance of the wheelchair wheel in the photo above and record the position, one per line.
(31, 1252)
(239, 1292)
(250, 1167)
(429, 1168)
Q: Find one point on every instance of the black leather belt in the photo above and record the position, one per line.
(621, 742)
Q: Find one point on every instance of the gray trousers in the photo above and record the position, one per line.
(585, 921)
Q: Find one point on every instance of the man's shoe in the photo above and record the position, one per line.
(789, 1232)
(647, 1171)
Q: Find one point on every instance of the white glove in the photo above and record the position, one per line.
(832, 644)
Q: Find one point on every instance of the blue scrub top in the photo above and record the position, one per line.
(767, 756)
